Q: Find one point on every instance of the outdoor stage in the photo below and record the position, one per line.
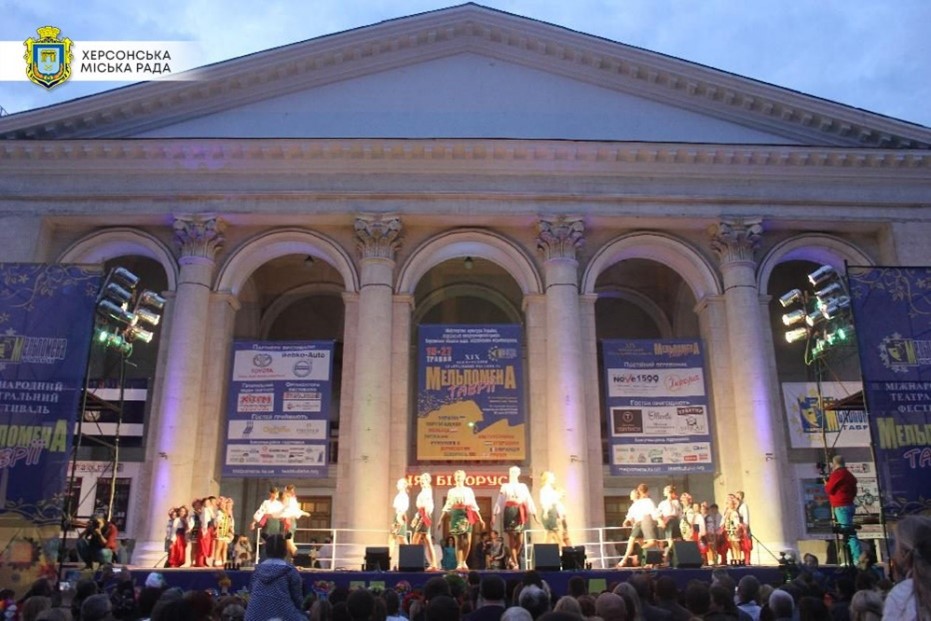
(598, 579)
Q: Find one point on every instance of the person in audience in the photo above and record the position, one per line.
(866, 606)
(275, 589)
(911, 597)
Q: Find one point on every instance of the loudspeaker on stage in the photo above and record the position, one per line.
(411, 558)
(546, 557)
(685, 555)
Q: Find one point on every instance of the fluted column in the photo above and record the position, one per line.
(400, 386)
(369, 485)
(535, 319)
(173, 452)
(593, 410)
(735, 243)
(565, 398)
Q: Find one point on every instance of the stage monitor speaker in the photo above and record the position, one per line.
(651, 556)
(377, 559)
(546, 556)
(411, 558)
(573, 558)
(685, 555)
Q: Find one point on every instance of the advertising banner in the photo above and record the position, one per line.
(815, 426)
(46, 321)
(470, 400)
(657, 408)
(279, 409)
(892, 315)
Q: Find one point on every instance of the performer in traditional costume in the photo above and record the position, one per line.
(198, 533)
(516, 503)
(553, 511)
(463, 514)
(733, 529)
(209, 529)
(667, 516)
(747, 542)
(400, 504)
(291, 512)
(715, 542)
(421, 524)
(268, 515)
(226, 527)
(180, 524)
(640, 518)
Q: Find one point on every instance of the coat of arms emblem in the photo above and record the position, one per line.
(48, 60)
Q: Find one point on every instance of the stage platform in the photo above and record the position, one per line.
(598, 579)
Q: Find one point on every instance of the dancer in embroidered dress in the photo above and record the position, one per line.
(463, 514)
(422, 523)
(553, 511)
(516, 503)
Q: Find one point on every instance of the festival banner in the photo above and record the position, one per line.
(657, 407)
(46, 321)
(814, 426)
(892, 315)
(470, 400)
(279, 409)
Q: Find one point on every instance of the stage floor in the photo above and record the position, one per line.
(598, 579)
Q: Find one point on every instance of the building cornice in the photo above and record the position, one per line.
(432, 156)
(478, 30)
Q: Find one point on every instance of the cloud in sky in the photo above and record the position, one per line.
(866, 54)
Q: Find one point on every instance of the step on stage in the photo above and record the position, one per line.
(598, 579)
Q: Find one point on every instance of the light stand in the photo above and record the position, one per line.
(115, 327)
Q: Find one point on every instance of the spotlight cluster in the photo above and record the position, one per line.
(822, 317)
(119, 327)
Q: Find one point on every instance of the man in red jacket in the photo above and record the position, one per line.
(841, 487)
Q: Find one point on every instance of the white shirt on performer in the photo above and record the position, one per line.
(401, 504)
(290, 509)
(550, 498)
(640, 509)
(667, 510)
(515, 492)
(271, 508)
(425, 501)
(744, 512)
(460, 496)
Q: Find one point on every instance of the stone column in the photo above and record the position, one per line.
(535, 317)
(173, 451)
(735, 243)
(400, 385)
(565, 397)
(369, 485)
(341, 500)
(593, 410)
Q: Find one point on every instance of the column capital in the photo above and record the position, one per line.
(377, 236)
(736, 240)
(199, 235)
(558, 238)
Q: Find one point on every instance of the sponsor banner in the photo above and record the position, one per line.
(810, 426)
(657, 407)
(46, 320)
(101, 414)
(279, 409)
(470, 400)
(892, 315)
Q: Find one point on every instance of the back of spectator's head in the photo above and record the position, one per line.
(812, 609)
(84, 588)
(95, 608)
(845, 586)
(442, 608)
(392, 601)
(276, 546)
(233, 612)
(201, 603)
(474, 578)
(535, 600)
(666, 589)
(516, 613)
(721, 598)
(587, 603)
(568, 604)
(33, 605)
(781, 603)
(54, 614)
(866, 606)
(172, 609)
(492, 588)
(435, 586)
(361, 604)
(577, 586)
(532, 577)
(697, 598)
(560, 616)
(611, 607)
(643, 583)
(631, 599)
(748, 589)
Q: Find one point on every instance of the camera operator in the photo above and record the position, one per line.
(841, 487)
(98, 543)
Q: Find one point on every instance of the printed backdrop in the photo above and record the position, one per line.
(470, 400)
(810, 427)
(892, 314)
(657, 409)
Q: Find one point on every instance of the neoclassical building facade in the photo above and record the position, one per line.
(465, 166)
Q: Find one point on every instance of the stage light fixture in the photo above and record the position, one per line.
(124, 277)
(144, 315)
(790, 298)
(796, 335)
(821, 275)
(830, 290)
(795, 317)
(152, 300)
(115, 313)
(136, 333)
(831, 308)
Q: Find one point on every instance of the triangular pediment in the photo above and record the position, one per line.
(467, 71)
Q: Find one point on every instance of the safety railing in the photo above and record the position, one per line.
(600, 544)
(340, 548)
